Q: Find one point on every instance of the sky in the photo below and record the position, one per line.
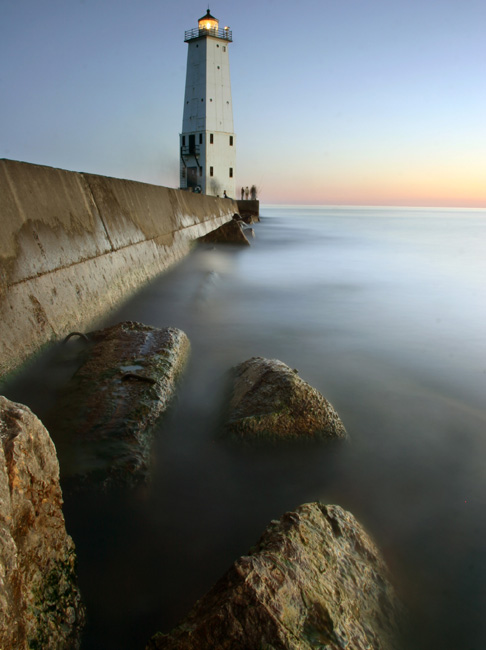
(337, 102)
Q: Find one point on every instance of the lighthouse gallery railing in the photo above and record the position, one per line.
(191, 34)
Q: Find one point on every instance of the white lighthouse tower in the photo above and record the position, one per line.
(207, 141)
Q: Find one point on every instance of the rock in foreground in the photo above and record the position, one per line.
(271, 402)
(126, 382)
(40, 604)
(314, 580)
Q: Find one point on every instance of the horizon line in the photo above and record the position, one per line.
(369, 206)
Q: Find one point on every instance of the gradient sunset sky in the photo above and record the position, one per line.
(367, 102)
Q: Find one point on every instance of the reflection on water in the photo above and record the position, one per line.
(384, 312)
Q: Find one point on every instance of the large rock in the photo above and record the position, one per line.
(40, 604)
(271, 402)
(229, 233)
(314, 580)
(109, 408)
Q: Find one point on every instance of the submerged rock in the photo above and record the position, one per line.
(229, 233)
(40, 603)
(271, 402)
(109, 407)
(314, 580)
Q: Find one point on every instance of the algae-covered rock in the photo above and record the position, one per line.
(40, 603)
(271, 402)
(314, 580)
(107, 412)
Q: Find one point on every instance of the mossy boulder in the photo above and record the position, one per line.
(40, 603)
(105, 418)
(314, 580)
(269, 401)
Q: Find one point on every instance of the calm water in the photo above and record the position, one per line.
(382, 310)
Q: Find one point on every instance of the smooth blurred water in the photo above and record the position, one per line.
(383, 310)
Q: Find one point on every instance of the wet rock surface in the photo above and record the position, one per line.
(314, 580)
(228, 233)
(270, 401)
(40, 603)
(106, 415)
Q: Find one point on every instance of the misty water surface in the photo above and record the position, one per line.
(384, 312)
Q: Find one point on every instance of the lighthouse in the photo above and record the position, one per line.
(207, 141)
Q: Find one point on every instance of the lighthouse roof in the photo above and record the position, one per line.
(208, 16)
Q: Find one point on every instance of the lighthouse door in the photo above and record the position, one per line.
(191, 176)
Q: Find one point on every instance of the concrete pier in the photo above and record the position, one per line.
(73, 246)
(249, 210)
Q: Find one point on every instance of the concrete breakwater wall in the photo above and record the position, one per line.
(74, 245)
(249, 209)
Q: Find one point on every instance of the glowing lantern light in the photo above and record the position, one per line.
(208, 22)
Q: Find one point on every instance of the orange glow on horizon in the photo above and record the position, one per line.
(349, 198)
(418, 189)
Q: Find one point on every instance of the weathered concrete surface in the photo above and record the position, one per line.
(270, 401)
(314, 580)
(40, 604)
(73, 246)
(126, 381)
(228, 233)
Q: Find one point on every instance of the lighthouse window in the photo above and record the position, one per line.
(231, 172)
(200, 138)
(183, 140)
(200, 171)
(211, 171)
(211, 138)
(231, 140)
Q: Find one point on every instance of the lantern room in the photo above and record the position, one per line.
(208, 26)
(208, 22)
